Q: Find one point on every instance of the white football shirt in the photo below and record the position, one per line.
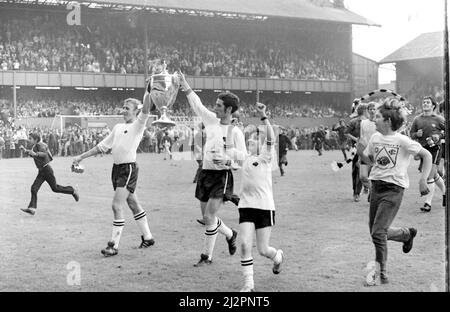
(217, 135)
(256, 184)
(124, 140)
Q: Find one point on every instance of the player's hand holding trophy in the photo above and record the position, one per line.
(163, 88)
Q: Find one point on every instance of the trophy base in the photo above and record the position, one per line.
(163, 123)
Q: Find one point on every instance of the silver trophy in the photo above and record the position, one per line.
(163, 88)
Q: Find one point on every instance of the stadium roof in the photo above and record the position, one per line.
(426, 45)
(301, 9)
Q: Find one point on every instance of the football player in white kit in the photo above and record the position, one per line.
(123, 141)
(215, 182)
(256, 205)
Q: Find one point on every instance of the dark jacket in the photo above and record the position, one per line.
(43, 156)
(283, 143)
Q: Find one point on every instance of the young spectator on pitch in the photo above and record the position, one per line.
(256, 205)
(42, 158)
(389, 153)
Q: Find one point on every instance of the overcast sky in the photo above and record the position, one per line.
(400, 20)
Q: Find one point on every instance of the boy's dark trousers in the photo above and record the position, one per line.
(385, 200)
(46, 174)
(356, 181)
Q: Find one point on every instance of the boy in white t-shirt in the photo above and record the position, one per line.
(389, 153)
(256, 205)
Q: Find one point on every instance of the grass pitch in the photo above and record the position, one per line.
(323, 233)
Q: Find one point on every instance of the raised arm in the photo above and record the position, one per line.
(270, 137)
(196, 104)
(146, 101)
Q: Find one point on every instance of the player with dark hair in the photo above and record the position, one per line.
(215, 181)
(389, 153)
(123, 142)
(428, 129)
(42, 158)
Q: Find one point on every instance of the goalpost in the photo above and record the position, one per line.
(62, 122)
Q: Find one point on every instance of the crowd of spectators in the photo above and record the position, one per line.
(50, 106)
(42, 41)
(291, 110)
(74, 140)
(36, 104)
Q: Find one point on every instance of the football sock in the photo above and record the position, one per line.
(429, 196)
(117, 231)
(247, 271)
(440, 184)
(141, 219)
(223, 229)
(276, 258)
(210, 239)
